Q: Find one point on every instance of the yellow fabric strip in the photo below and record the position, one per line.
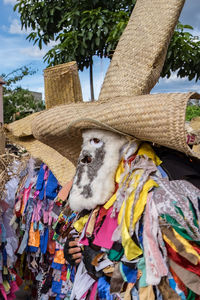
(146, 149)
(131, 249)
(169, 242)
(110, 202)
(6, 286)
(119, 171)
(187, 246)
(79, 224)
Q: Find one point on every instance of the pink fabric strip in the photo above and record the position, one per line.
(157, 264)
(104, 236)
(93, 291)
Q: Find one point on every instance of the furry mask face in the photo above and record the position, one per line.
(94, 180)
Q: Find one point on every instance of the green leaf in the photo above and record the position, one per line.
(188, 27)
(90, 35)
(106, 30)
(97, 41)
(100, 22)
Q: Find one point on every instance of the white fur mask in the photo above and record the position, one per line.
(94, 180)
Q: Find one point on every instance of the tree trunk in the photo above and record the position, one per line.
(91, 80)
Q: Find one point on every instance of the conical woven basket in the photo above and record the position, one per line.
(62, 85)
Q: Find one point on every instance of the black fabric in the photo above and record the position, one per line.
(47, 284)
(68, 256)
(1, 296)
(179, 166)
(117, 247)
(88, 255)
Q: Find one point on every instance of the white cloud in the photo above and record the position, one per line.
(172, 78)
(196, 33)
(33, 52)
(195, 88)
(52, 44)
(15, 28)
(9, 1)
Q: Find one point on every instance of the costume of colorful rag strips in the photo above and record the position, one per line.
(134, 206)
(10, 178)
(144, 242)
(40, 258)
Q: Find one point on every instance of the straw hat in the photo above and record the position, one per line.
(20, 132)
(156, 118)
(140, 54)
(134, 70)
(195, 124)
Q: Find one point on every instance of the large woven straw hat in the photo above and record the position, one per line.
(140, 54)
(158, 118)
(134, 70)
(20, 132)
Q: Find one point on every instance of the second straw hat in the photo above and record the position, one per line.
(20, 132)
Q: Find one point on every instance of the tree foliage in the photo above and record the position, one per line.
(81, 28)
(183, 54)
(192, 111)
(84, 28)
(18, 102)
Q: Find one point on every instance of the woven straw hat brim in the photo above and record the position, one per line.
(140, 54)
(20, 133)
(62, 85)
(21, 128)
(195, 123)
(158, 118)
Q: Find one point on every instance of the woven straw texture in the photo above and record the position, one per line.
(196, 149)
(62, 85)
(61, 167)
(195, 123)
(20, 133)
(21, 128)
(157, 118)
(139, 57)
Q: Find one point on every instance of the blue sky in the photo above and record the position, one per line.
(16, 51)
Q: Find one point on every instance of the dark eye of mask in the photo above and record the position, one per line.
(95, 140)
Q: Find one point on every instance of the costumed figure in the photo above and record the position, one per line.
(135, 229)
(131, 217)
